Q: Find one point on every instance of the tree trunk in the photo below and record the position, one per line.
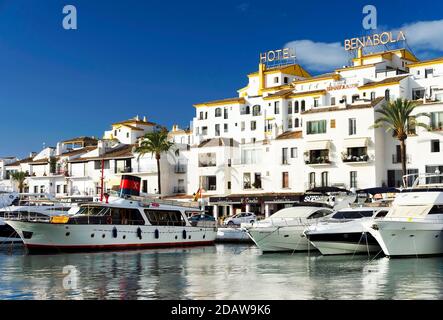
(403, 156)
(157, 157)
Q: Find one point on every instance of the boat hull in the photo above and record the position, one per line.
(46, 237)
(408, 238)
(280, 239)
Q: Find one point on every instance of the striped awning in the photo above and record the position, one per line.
(356, 143)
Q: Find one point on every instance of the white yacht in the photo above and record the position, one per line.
(414, 224)
(344, 232)
(283, 231)
(120, 223)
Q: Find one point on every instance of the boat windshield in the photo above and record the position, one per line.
(353, 214)
(94, 211)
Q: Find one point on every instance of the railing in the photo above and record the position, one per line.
(180, 169)
(351, 158)
(396, 158)
(179, 190)
(319, 160)
(123, 170)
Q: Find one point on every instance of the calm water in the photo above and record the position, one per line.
(217, 272)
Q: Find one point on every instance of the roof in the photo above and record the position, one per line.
(78, 151)
(17, 163)
(307, 93)
(220, 102)
(121, 152)
(405, 54)
(290, 135)
(293, 69)
(319, 77)
(426, 62)
(384, 82)
(349, 107)
(136, 122)
(81, 139)
(218, 142)
(279, 94)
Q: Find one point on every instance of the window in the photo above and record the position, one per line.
(253, 125)
(437, 120)
(303, 106)
(296, 110)
(316, 102)
(289, 107)
(316, 127)
(284, 156)
(324, 179)
(418, 93)
(242, 126)
(127, 135)
(289, 123)
(411, 125)
(353, 179)
(257, 180)
(206, 115)
(387, 95)
(247, 180)
(285, 180)
(275, 79)
(277, 107)
(286, 80)
(256, 110)
(296, 123)
(225, 127)
(395, 177)
(209, 183)
(294, 152)
(429, 72)
(207, 159)
(217, 130)
(98, 165)
(229, 185)
(165, 218)
(123, 166)
(355, 97)
(372, 96)
(312, 180)
(332, 123)
(344, 100)
(435, 145)
(218, 112)
(59, 188)
(333, 101)
(115, 132)
(201, 116)
(145, 186)
(225, 113)
(352, 126)
(35, 189)
(204, 131)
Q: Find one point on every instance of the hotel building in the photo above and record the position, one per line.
(283, 133)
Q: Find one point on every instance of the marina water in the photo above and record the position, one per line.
(221, 272)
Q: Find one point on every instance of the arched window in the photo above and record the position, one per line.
(218, 112)
(289, 123)
(296, 123)
(290, 108)
(296, 110)
(303, 106)
(387, 95)
(256, 110)
(247, 110)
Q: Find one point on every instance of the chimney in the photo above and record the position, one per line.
(144, 119)
(59, 149)
(137, 118)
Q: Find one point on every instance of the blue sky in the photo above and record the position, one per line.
(157, 58)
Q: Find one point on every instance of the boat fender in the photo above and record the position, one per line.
(184, 234)
(139, 233)
(114, 232)
(109, 220)
(156, 234)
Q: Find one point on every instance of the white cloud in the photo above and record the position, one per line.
(424, 35)
(319, 56)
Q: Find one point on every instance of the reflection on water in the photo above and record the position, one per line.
(216, 272)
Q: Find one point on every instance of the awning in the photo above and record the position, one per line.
(318, 145)
(356, 143)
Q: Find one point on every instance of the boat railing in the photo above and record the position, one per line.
(424, 219)
(150, 201)
(423, 181)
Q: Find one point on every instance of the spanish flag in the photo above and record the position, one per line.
(198, 194)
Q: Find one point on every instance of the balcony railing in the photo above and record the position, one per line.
(179, 190)
(124, 170)
(318, 160)
(360, 158)
(180, 169)
(396, 158)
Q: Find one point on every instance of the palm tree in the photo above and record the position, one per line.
(155, 143)
(20, 178)
(396, 116)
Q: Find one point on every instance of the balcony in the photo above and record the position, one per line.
(396, 158)
(123, 170)
(318, 161)
(179, 190)
(180, 168)
(364, 158)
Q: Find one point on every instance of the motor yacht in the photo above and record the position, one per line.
(117, 223)
(414, 224)
(283, 231)
(344, 232)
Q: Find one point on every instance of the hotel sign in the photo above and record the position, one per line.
(341, 86)
(374, 40)
(277, 55)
